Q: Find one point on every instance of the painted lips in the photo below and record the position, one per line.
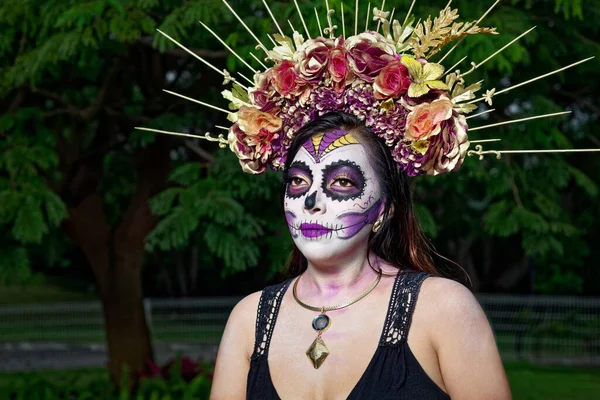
(311, 230)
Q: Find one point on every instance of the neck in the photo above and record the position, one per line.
(334, 282)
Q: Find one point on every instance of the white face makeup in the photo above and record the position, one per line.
(332, 196)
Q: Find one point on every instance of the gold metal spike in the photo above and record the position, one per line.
(317, 352)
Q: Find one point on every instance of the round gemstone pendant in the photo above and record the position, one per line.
(321, 322)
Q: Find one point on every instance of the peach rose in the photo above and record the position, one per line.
(425, 119)
(260, 129)
(252, 120)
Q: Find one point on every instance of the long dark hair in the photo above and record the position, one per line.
(399, 241)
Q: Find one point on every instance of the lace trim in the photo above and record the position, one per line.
(266, 316)
(404, 297)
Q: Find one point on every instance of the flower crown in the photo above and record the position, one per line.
(384, 79)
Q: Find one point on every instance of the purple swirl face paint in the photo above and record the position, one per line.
(332, 195)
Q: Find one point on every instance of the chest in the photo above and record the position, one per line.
(352, 340)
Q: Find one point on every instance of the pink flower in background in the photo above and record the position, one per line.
(425, 119)
(312, 60)
(285, 78)
(393, 81)
(369, 53)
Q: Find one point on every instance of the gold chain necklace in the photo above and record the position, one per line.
(318, 351)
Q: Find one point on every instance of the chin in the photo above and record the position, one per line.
(330, 248)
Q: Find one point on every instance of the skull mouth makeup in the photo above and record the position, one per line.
(349, 224)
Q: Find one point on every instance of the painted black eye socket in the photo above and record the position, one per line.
(299, 180)
(343, 180)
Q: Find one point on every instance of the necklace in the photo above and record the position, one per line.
(317, 352)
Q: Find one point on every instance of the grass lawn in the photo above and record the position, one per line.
(536, 382)
(528, 382)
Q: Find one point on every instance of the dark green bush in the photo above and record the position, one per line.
(181, 379)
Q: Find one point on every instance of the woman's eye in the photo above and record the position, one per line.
(296, 181)
(343, 182)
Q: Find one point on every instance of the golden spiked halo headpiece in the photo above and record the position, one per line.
(418, 107)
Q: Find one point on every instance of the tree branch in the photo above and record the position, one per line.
(199, 151)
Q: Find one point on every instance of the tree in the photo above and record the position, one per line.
(76, 78)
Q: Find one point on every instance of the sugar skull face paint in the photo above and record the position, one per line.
(332, 195)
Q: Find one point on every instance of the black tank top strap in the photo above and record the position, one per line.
(266, 316)
(400, 311)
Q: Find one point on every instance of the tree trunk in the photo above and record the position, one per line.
(127, 333)
(117, 255)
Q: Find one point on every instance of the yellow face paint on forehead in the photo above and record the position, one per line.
(323, 143)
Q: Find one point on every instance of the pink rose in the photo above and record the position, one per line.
(285, 78)
(393, 81)
(312, 59)
(425, 119)
(338, 68)
(368, 53)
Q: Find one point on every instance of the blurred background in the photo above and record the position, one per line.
(122, 252)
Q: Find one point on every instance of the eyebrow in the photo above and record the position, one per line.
(340, 164)
(301, 166)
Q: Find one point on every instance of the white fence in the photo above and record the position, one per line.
(563, 330)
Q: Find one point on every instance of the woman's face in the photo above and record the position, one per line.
(332, 196)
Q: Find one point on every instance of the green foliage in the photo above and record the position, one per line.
(225, 209)
(29, 209)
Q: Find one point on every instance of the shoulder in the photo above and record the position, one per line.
(241, 323)
(463, 340)
(245, 310)
(451, 305)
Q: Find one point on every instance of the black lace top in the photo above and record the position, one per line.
(393, 372)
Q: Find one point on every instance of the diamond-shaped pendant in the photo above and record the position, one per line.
(317, 352)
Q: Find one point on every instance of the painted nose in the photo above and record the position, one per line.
(312, 203)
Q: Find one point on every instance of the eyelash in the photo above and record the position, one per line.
(292, 178)
(344, 178)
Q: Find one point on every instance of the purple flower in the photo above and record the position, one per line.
(368, 53)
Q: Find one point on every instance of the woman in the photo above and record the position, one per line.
(383, 324)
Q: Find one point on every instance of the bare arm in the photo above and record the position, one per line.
(469, 359)
(233, 358)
